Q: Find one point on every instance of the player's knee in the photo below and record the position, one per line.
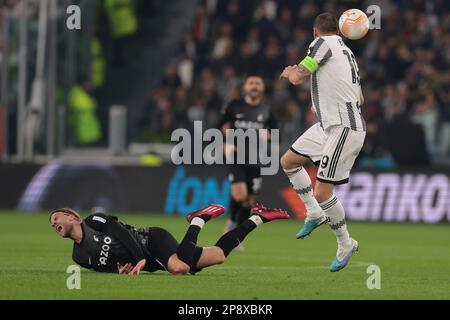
(220, 257)
(288, 162)
(284, 161)
(319, 196)
(322, 194)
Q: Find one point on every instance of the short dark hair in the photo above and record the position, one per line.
(253, 75)
(326, 23)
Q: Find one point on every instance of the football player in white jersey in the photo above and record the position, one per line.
(334, 142)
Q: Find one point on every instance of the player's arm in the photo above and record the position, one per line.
(296, 74)
(111, 226)
(271, 123)
(318, 53)
(225, 118)
(223, 124)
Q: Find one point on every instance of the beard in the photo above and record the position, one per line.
(254, 93)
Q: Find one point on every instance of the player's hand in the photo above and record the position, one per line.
(124, 268)
(138, 268)
(264, 134)
(295, 78)
(229, 150)
(287, 71)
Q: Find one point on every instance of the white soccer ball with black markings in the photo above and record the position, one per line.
(354, 24)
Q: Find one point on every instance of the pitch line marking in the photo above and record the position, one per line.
(356, 264)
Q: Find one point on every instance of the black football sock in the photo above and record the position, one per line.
(232, 239)
(235, 208)
(186, 249)
(243, 214)
(196, 256)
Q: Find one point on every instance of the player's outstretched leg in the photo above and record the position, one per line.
(217, 254)
(188, 251)
(235, 215)
(260, 215)
(315, 217)
(346, 245)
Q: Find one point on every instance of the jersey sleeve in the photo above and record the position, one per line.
(111, 226)
(225, 117)
(271, 122)
(318, 53)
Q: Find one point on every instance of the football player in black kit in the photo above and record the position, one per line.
(103, 243)
(250, 112)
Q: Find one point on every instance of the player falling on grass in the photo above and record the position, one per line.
(248, 113)
(104, 244)
(335, 141)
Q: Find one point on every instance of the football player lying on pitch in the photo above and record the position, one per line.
(104, 244)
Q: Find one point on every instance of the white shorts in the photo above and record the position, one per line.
(333, 150)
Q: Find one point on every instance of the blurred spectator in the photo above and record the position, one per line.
(158, 119)
(426, 114)
(185, 71)
(373, 153)
(228, 83)
(98, 63)
(180, 103)
(123, 26)
(271, 61)
(235, 18)
(2, 142)
(83, 119)
(171, 79)
(444, 97)
(197, 111)
(223, 42)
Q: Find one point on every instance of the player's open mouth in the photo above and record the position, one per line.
(59, 228)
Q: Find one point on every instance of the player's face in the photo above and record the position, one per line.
(254, 87)
(62, 223)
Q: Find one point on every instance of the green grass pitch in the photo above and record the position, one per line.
(414, 262)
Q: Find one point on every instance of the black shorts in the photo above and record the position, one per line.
(161, 245)
(251, 175)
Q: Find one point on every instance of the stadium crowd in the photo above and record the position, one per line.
(404, 70)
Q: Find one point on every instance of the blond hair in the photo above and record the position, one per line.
(65, 211)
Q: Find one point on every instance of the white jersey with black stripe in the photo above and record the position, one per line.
(335, 85)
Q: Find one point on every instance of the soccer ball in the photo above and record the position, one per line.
(354, 24)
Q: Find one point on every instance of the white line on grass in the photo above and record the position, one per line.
(356, 264)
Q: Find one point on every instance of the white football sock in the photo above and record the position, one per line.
(199, 222)
(256, 219)
(335, 211)
(301, 182)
